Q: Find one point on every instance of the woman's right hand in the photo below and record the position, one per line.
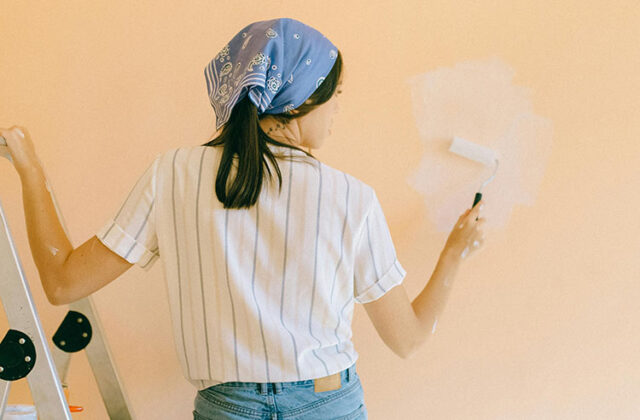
(466, 236)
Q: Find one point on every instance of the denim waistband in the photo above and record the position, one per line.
(346, 376)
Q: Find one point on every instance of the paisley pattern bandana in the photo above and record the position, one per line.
(279, 63)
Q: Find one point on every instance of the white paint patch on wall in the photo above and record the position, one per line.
(476, 100)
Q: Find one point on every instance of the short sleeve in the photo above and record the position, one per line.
(131, 233)
(376, 266)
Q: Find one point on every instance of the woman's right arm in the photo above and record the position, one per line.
(465, 238)
(405, 326)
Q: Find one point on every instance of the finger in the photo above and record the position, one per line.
(11, 132)
(6, 135)
(18, 130)
(475, 211)
(461, 220)
(468, 214)
(479, 239)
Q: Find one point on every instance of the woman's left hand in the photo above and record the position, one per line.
(20, 147)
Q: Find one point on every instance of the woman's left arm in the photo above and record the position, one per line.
(66, 274)
(49, 244)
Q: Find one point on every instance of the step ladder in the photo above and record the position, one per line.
(24, 350)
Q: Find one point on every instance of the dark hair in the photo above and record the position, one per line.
(243, 136)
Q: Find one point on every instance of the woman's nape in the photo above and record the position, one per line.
(308, 131)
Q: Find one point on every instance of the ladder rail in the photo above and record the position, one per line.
(23, 316)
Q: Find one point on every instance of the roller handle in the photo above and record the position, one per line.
(476, 199)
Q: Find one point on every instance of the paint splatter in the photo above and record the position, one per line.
(53, 250)
(476, 100)
(464, 253)
(433, 330)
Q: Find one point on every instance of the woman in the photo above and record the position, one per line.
(262, 276)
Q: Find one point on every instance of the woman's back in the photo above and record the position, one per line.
(263, 294)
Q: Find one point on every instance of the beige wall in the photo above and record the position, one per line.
(542, 323)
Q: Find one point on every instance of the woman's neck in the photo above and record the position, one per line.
(289, 133)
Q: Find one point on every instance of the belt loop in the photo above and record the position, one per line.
(277, 387)
(263, 388)
(351, 371)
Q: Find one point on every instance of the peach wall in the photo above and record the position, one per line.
(542, 323)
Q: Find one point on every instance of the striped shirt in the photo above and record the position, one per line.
(264, 294)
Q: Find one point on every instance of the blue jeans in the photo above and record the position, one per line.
(282, 400)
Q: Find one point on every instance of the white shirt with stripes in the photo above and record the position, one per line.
(264, 294)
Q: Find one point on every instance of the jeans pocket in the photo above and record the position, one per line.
(341, 404)
(213, 404)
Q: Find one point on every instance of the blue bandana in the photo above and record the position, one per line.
(279, 63)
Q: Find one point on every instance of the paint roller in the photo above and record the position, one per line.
(478, 153)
